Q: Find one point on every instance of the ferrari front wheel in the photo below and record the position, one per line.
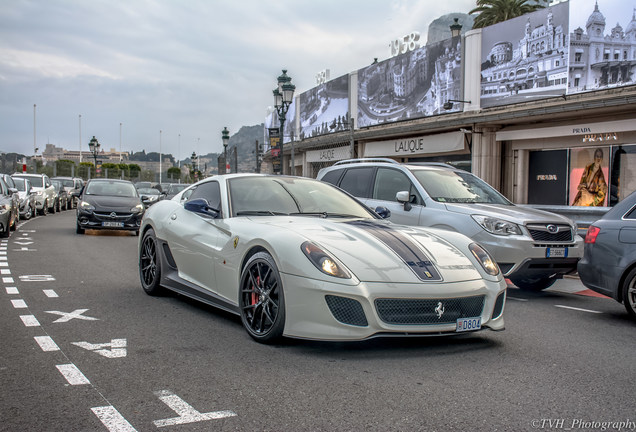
(150, 264)
(261, 299)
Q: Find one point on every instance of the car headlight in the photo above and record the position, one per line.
(497, 226)
(484, 258)
(5, 208)
(137, 209)
(323, 261)
(86, 206)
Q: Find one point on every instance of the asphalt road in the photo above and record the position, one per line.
(85, 349)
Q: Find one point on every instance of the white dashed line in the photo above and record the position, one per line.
(5, 271)
(12, 290)
(19, 304)
(50, 293)
(30, 320)
(578, 309)
(7, 280)
(46, 343)
(72, 374)
(111, 418)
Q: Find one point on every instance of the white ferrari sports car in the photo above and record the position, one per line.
(296, 257)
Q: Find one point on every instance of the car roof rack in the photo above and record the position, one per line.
(437, 164)
(363, 160)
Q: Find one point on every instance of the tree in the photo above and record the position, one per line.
(494, 11)
(174, 173)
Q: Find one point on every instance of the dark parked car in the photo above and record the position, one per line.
(8, 211)
(13, 192)
(174, 189)
(73, 186)
(63, 198)
(608, 265)
(109, 204)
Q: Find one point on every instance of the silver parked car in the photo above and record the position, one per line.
(8, 210)
(533, 248)
(45, 195)
(73, 186)
(27, 198)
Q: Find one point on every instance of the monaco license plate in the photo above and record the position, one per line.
(468, 324)
(556, 252)
(113, 224)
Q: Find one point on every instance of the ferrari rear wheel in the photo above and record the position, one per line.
(150, 264)
(261, 299)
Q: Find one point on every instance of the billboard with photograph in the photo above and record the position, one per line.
(325, 109)
(525, 58)
(602, 45)
(412, 85)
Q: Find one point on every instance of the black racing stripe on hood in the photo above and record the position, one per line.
(404, 247)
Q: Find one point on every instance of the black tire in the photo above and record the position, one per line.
(261, 299)
(538, 284)
(629, 293)
(28, 214)
(79, 229)
(15, 222)
(44, 208)
(52, 209)
(150, 264)
(59, 206)
(6, 232)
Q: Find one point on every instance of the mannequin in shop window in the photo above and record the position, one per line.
(592, 187)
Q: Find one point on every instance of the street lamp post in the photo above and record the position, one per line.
(283, 96)
(160, 157)
(93, 146)
(194, 161)
(225, 136)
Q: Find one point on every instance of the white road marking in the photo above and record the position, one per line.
(67, 316)
(30, 320)
(50, 293)
(3, 258)
(117, 348)
(517, 299)
(19, 304)
(111, 418)
(8, 280)
(72, 374)
(46, 343)
(12, 290)
(4, 264)
(5, 271)
(186, 413)
(578, 309)
(37, 278)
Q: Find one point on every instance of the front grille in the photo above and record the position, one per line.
(543, 233)
(105, 217)
(428, 311)
(499, 304)
(346, 310)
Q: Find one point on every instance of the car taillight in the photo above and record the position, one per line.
(592, 233)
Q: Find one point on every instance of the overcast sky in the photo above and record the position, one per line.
(185, 67)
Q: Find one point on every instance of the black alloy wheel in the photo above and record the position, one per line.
(261, 299)
(150, 264)
(629, 294)
(28, 214)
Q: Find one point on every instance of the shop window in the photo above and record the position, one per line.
(622, 173)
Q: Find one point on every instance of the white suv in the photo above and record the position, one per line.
(45, 194)
(533, 248)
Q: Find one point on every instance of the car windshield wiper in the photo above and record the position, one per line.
(260, 213)
(324, 214)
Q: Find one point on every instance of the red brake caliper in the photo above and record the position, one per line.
(254, 296)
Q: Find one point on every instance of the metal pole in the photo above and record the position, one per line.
(179, 155)
(351, 141)
(80, 137)
(199, 155)
(159, 156)
(120, 142)
(35, 148)
(282, 139)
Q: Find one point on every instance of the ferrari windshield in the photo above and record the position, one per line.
(457, 187)
(291, 196)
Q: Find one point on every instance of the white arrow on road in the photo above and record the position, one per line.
(117, 348)
(187, 414)
(23, 243)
